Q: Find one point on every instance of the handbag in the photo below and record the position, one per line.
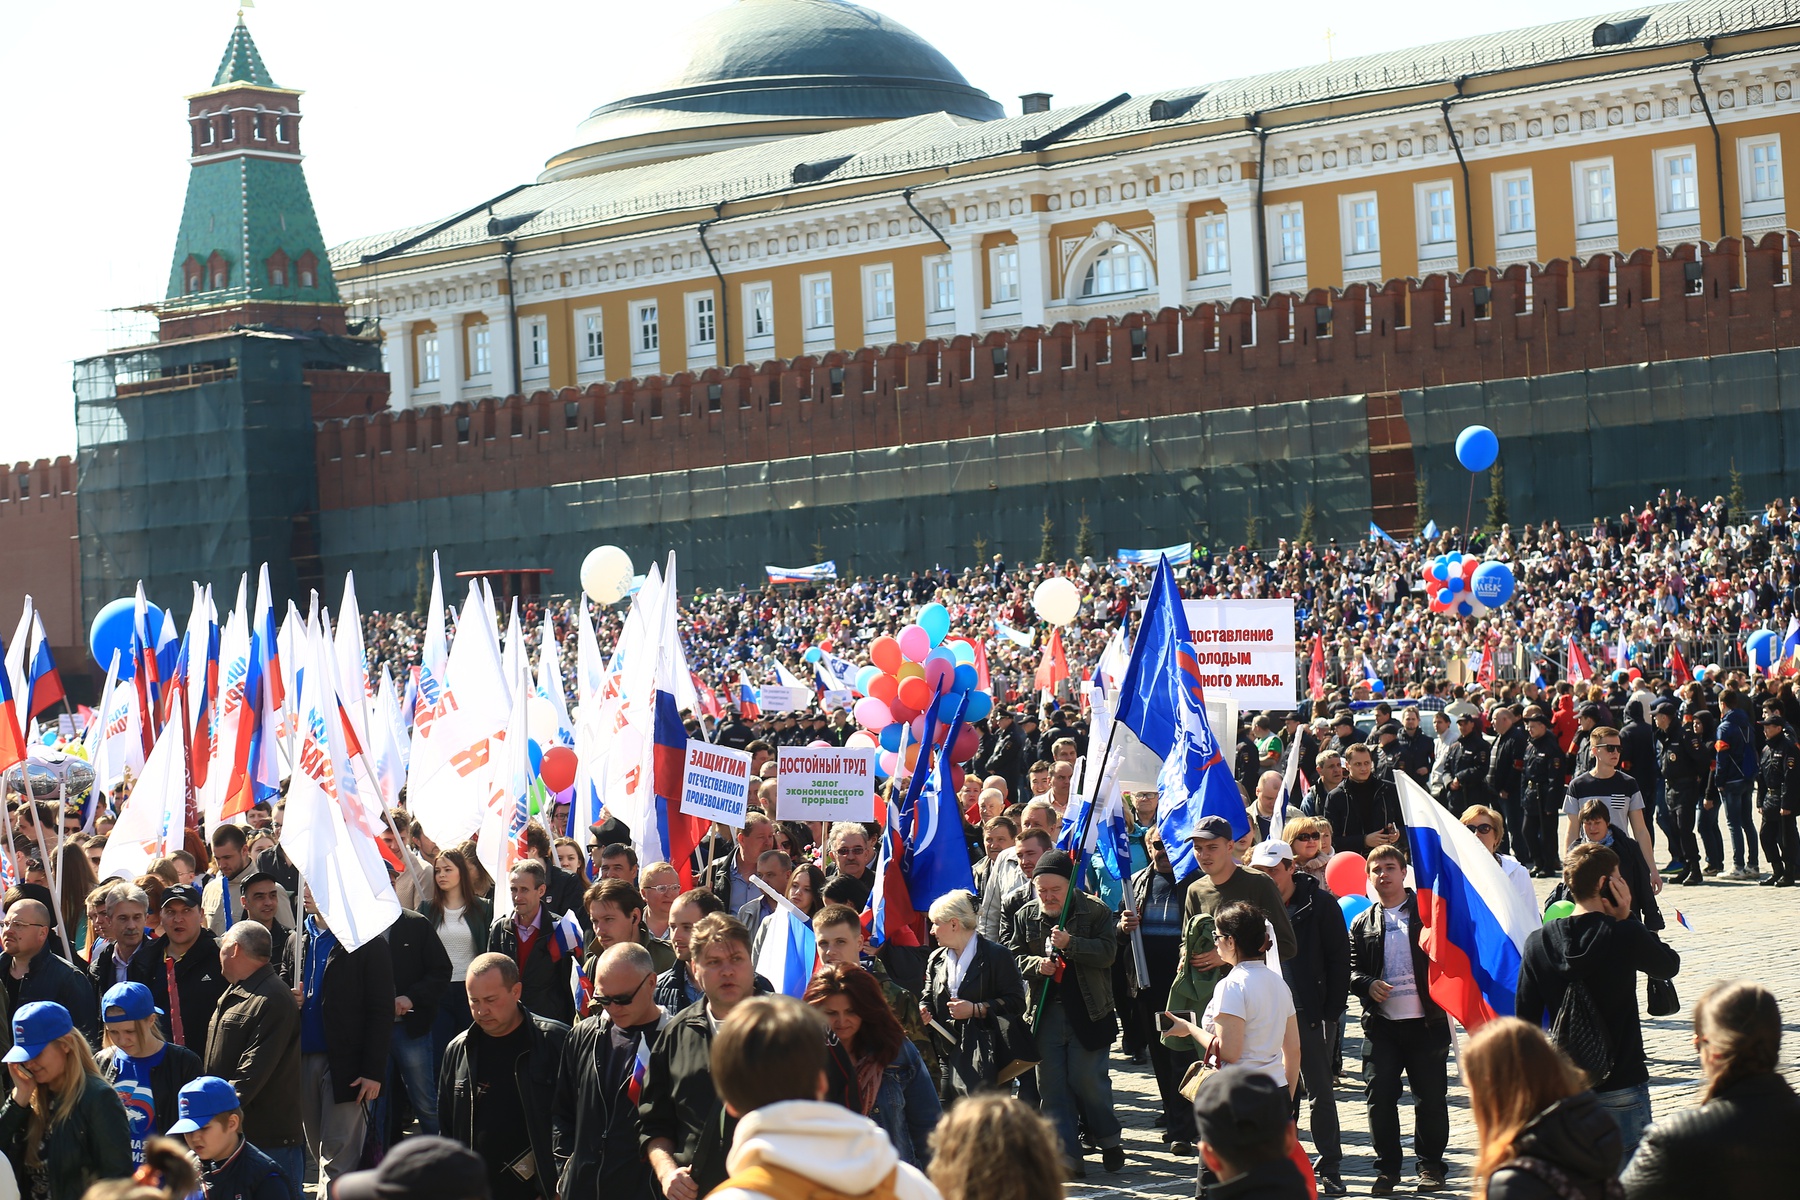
(1661, 999)
(1580, 1031)
(1197, 1072)
(1015, 1048)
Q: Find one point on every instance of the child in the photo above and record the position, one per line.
(213, 1124)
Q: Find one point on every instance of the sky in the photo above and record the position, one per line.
(416, 111)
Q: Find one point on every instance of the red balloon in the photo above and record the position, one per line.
(967, 742)
(956, 777)
(558, 768)
(884, 652)
(1347, 874)
(915, 693)
(826, 646)
(885, 688)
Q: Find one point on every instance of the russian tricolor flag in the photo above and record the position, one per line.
(43, 684)
(790, 950)
(1474, 923)
(746, 700)
(12, 741)
(680, 834)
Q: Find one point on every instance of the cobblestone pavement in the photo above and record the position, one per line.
(1740, 931)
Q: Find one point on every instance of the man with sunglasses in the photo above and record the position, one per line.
(595, 1113)
(1624, 800)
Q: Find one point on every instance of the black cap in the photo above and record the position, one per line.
(181, 893)
(253, 876)
(419, 1168)
(1392, 727)
(1242, 1114)
(1343, 718)
(1591, 711)
(1055, 862)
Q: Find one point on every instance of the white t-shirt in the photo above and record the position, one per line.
(1261, 999)
(459, 942)
(1402, 1003)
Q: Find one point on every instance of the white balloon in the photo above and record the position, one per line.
(1056, 600)
(542, 721)
(606, 574)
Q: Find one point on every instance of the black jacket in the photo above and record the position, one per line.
(1506, 762)
(1277, 1180)
(1367, 958)
(993, 979)
(359, 1009)
(198, 983)
(248, 1175)
(50, 978)
(537, 1075)
(563, 891)
(1545, 768)
(1687, 760)
(421, 969)
(1319, 973)
(1778, 775)
(94, 1143)
(1745, 1141)
(179, 1065)
(544, 976)
(1637, 749)
(679, 1102)
(596, 1123)
(1418, 751)
(1606, 955)
(254, 1044)
(1574, 1136)
(1466, 762)
(1355, 810)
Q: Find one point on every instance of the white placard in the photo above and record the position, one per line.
(838, 698)
(715, 783)
(1245, 650)
(776, 698)
(825, 784)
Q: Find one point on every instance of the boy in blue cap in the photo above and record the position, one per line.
(212, 1121)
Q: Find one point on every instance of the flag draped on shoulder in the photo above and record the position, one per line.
(790, 951)
(1161, 701)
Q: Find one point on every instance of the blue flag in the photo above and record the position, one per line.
(939, 863)
(1380, 534)
(1431, 529)
(1162, 702)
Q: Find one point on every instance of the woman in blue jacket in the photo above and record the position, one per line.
(895, 1089)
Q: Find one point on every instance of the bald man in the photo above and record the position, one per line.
(31, 971)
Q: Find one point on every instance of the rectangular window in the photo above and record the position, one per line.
(428, 357)
(593, 337)
(881, 294)
(1598, 203)
(1290, 226)
(1520, 215)
(1681, 186)
(705, 329)
(481, 360)
(761, 305)
(818, 302)
(1215, 248)
(1006, 274)
(1365, 230)
(537, 342)
(1765, 171)
(1440, 214)
(649, 333)
(943, 286)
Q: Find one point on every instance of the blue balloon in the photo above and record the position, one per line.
(934, 619)
(962, 652)
(965, 677)
(946, 706)
(535, 753)
(865, 677)
(111, 631)
(1454, 584)
(1477, 448)
(49, 738)
(1378, 688)
(1493, 583)
(1354, 906)
(813, 654)
(1761, 648)
(890, 736)
(980, 705)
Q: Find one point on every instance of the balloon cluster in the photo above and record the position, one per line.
(1466, 585)
(908, 673)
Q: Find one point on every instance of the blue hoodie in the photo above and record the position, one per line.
(1735, 755)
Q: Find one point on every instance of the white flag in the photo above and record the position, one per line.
(151, 824)
(116, 738)
(229, 713)
(450, 775)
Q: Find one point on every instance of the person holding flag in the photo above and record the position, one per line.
(605, 1059)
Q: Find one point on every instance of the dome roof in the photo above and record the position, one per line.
(757, 70)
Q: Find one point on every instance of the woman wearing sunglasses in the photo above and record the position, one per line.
(1490, 827)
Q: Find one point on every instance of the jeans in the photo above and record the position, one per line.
(334, 1132)
(452, 1018)
(409, 1064)
(1630, 1107)
(1736, 798)
(1071, 1074)
(1316, 1069)
(292, 1161)
(1709, 835)
(1420, 1051)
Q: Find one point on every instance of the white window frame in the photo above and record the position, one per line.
(1212, 240)
(481, 348)
(1757, 201)
(1287, 241)
(1667, 214)
(880, 298)
(646, 334)
(940, 287)
(1515, 238)
(534, 345)
(1596, 184)
(818, 311)
(1439, 242)
(1360, 213)
(1126, 254)
(759, 302)
(429, 360)
(1003, 274)
(702, 309)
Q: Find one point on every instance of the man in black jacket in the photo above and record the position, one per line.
(1506, 772)
(254, 1044)
(562, 889)
(1541, 795)
(125, 959)
(729, 876)
(497, 1082)
(421, 975)
(31, 971)
(529, 939)
(1006, 757)
(346, 1023)
(597, 1091)
(1599, 951)
(185, 961)
(1686, 763)
(1778, 793)
(1418, 749)
(1364, 811)
(1319, 977)
(1465, 762)
(1407, 1033)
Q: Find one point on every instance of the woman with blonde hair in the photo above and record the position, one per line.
(61, 1123)
(1543, 1134)
(147, 1072)
(1489, 827)
(1744, 1138)
(993, 1147)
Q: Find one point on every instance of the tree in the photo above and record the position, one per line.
(1421, 501)
(1250, 542)
(818, 547)
(1736, 495)
(1308, 516)
(422, 590)
(1084, 535)
(1496, 501)
(1047, 547)
(981, 545)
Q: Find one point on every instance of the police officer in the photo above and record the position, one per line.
(1778, 788)
(1686, 759)
(1466, 762)
(1505, 763)
(1541, 777)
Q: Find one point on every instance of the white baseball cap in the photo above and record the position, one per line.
(1271, 853)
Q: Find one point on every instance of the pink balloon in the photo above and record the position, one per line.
(872, 714)
(889, 761)
(861, 740)
(939, 675)
(917, 725)
(820, 744)
(915, 643)
(967, 742)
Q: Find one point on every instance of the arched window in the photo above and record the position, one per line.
(1121, 267)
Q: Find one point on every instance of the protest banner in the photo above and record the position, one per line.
(1245, 650)
(777, 698)
(818, 784)
(715, 783)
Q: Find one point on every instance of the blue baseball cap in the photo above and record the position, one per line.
(35, 1026)
(132, 1000)
(202, 1100)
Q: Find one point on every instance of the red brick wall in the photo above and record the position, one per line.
(38, 554)
(1415, 333)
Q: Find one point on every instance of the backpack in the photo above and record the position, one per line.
(779, 1183)
(1558, 1181)
(1580, 1031)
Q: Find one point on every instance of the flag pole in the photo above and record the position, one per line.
(1062, 918)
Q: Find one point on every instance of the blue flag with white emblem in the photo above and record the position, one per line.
(1161, 700)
